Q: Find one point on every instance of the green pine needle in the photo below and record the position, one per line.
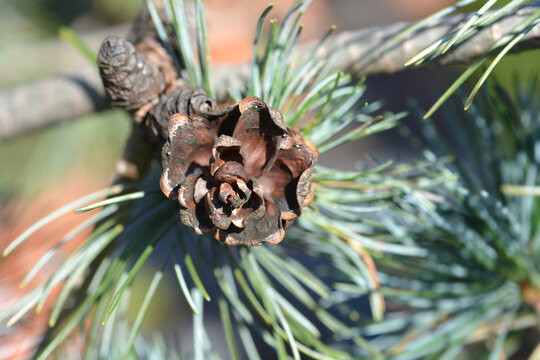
(135, 269)
(74, 40)
(113, 190)
(113, 200)
(477, 15)
(227, 328)
(144, 308)
(204, 50)
(475, 23)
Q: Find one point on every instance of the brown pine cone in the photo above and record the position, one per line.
(245, 173)
(135, 77)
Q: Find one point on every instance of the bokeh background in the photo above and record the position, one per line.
(44, 170)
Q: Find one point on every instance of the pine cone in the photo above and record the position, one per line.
(243, 173)
(135, 76)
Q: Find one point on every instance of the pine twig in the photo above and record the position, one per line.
(367, 52)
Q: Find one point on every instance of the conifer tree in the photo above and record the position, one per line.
(438, 258)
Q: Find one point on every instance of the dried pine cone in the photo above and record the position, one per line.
(241, 172)
(135, 76)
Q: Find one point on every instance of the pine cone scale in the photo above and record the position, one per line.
(189, 144)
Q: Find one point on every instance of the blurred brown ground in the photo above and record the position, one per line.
(19, 341)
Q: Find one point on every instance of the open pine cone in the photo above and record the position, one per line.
(240, 171)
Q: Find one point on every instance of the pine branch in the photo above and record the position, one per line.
(33, 106)
(367, 52)
(451, 258)
(133, 224)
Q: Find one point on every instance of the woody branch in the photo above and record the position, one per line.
(369, 51)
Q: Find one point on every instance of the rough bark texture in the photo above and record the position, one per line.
(30, 107)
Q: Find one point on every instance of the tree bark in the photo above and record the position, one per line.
(365, 52)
